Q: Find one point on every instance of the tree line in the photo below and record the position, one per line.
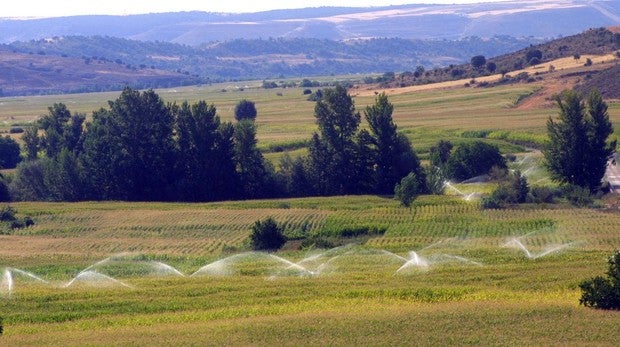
(139, 148)
(142, 149)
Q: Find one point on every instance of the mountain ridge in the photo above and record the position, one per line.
(542, 19)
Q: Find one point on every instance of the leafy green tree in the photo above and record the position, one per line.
(267, 235)
(473, 159)
(129, 149)
(31, 142)
(533, 53)
(205, 166)
(245, 109)
(478, 61)
(577, 151)
(491, 67)
(407, 190)
(440, 153)
(334, 154)
(249, 161)
(393, 155)
(9, 153)
(29, 183)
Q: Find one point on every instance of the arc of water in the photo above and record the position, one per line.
(291, 265)
(29, 274)
(168, 268)
(96, 275)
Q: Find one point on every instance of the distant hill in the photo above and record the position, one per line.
(33, 74)
(44, 66)
(597, 41)
(542, 19)
(607, 82)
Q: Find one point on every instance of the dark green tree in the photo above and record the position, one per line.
(31, 142)
(245, 109)
(334, 162)
(473, 159)
(9, 153)
(394, 157)
(478, 61)
(577, 151)
(440, 153)
(491, 67)
(601, 292)
(407, 190)
(267, 235)
(205, 166)
(250, 164)
(129, 149)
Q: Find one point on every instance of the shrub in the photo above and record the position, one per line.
(473, 159)
(7, 214)
(577, 196)
(540, 195)
(1, 326)
(9, 153)
(600, 292)
(408, 189)
(267, 235)
(245, 109)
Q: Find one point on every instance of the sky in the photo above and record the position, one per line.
(58, 8)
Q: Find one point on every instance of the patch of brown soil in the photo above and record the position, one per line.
(614, 29)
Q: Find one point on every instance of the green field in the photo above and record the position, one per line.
(469, 282)
(478, 288)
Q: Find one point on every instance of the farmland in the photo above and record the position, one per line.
(482, 277)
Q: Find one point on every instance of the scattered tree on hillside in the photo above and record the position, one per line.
(478, 61)
(245, 109)
(491, 67)
(533, 53)
(578, 150)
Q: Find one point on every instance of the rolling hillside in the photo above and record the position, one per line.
(545, 19)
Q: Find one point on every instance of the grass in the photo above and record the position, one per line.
(508, 299)
(361, 300)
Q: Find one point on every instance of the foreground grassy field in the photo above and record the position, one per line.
(478, 287)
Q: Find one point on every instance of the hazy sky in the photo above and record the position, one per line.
(55, 8)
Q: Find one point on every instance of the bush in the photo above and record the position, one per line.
(1, 326)
(577, 196)
(9, 153)
(473, 159)
(600, 292)
(245, 109)
(267, 235)
(540, 195)
(7, 214)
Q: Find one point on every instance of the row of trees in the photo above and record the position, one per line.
(139, 148)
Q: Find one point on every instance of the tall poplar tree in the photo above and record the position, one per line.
(577, 151)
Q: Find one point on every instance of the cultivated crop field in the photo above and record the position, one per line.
(444, 272)
(473, 281)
